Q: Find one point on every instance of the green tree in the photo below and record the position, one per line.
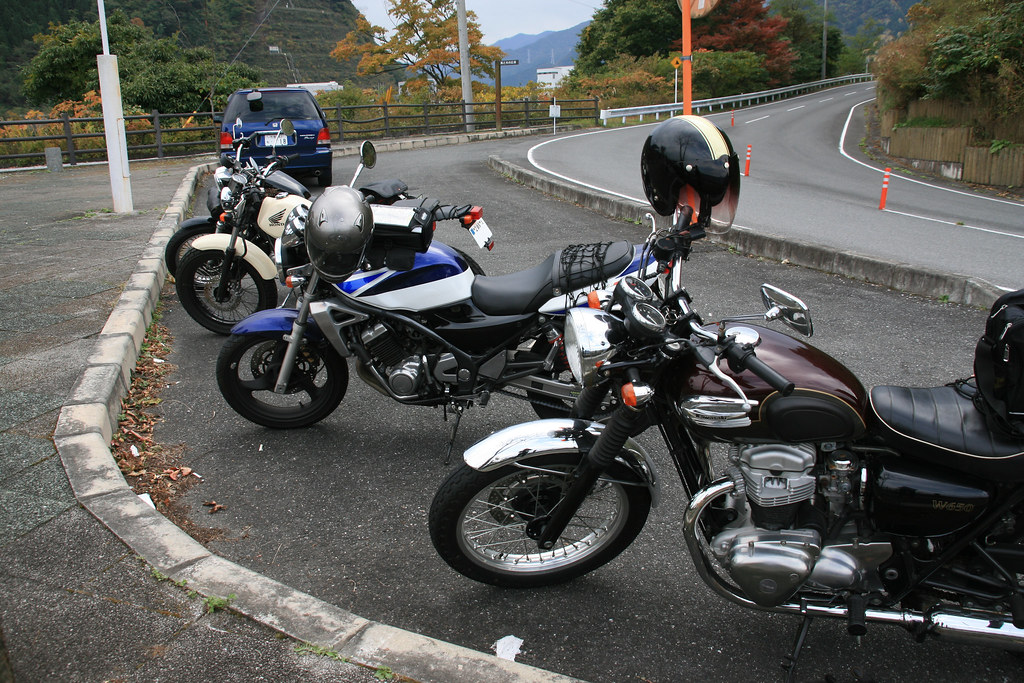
(425, 40)
(803, 29)
(636, 28)
(717, 74)
(155, 73)
(971, 50)
(746, 25)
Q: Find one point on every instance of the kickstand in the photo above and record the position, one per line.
(798, 645)
(457, 409)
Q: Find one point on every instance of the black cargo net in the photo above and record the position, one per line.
(582, 265)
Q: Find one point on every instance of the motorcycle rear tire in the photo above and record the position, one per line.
(247, 369)
(478, 522)
(179, 243)
(196, 283)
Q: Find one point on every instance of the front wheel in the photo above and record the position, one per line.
(480, 522)
(196, 283)
(247, 370)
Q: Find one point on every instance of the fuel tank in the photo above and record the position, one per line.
(828, 404)
(438, 277)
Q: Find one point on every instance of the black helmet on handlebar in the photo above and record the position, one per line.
(339, 226)
(687, 160)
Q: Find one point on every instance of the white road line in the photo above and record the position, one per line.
(959, 225)
(827, 99)
(795, 108)
(762, 118)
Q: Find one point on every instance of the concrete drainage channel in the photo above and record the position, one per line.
(89, 417)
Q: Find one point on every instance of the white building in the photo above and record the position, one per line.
(552, 75)
(316, 88)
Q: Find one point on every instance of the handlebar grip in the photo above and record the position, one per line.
(744, 358)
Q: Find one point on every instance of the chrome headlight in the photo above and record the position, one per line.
(295, 226)
(588, 341)
(221, 176)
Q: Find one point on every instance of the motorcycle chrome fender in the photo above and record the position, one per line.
(249, 252)
(559, 435)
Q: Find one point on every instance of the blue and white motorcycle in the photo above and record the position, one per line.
(420, 322)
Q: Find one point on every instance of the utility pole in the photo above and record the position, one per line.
(113, 122)
(464, 66)
(824, 39)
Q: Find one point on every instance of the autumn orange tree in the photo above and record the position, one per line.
(425, 40)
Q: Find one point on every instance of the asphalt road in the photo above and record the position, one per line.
(338, 510)
(802, 186)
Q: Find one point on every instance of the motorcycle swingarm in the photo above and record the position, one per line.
(560, 435)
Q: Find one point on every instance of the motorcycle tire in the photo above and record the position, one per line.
(196, 281)
(181, 240)
(478, 522)
(247, 369)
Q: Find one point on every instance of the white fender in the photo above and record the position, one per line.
(558, 435)
(249, 252)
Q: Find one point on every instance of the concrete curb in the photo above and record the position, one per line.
(82, 438)
(904, 277)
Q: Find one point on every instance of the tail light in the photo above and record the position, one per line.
(475, 214)
(225, 140)
(323, 137)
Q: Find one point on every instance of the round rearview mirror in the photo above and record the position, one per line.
(788, 308)
(287, 127)
(368, 154)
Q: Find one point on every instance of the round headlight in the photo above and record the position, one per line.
(221, 176)
(588, 341)
(295, 226)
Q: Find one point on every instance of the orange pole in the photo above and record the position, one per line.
(687, 60)
(747, 170)
(732, 118)
(885, 189)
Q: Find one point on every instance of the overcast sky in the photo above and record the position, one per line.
(505, 18)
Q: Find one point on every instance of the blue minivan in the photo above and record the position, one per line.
(261, 111)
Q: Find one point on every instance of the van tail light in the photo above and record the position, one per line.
(225, 140)
(323, 137)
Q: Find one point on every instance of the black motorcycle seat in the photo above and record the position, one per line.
(526, 291)
(942, 426)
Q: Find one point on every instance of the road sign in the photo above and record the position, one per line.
(676, 62)
(509, 62)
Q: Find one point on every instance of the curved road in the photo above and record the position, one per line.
(810, 181)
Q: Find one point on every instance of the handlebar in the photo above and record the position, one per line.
(743, 357)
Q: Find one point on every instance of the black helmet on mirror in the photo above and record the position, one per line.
(687, 160)
(339, 226)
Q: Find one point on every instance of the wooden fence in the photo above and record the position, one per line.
(23, 143)
(954, 148)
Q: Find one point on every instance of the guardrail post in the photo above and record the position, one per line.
(70, 139)
(387, 122)
(156, 135)
(341, 127)
(426, 118)
(526, 113)
(597, 111)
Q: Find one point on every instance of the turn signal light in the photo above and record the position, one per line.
(629, 395)
(593, 300)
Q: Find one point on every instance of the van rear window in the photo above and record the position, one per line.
(273, 106)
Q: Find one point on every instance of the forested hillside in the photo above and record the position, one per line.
(303, 31)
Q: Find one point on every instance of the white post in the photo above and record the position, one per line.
(464, 65)
(113, 123)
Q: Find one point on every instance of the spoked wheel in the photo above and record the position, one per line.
(247, 370)
(196, 282)
(180, 242)
(481, 522)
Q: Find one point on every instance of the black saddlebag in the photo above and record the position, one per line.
(999, 364)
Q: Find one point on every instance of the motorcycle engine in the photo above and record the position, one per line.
(776, 543)
(762, 551)
(393, 363)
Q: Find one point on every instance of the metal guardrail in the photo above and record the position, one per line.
(731, 101)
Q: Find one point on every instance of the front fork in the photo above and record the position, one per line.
(294, 339)
(596, 462)
(222, 292)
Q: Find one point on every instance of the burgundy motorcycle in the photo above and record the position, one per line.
(808, 494)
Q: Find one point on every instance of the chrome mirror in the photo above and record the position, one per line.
(784, 306)
(287, 127)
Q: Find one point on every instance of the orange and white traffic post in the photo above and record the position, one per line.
(885, 189)
(746, 171)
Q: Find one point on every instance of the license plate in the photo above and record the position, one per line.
(278, 140)
(482, 234)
